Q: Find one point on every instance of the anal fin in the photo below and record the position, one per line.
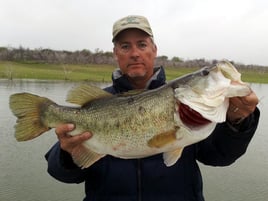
(84, 157)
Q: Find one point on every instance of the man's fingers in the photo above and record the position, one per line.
(63, 129)
(241, 107)
(251, 99)
(68, 142)
(78, 139)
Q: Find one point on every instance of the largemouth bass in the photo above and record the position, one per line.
(136, 124)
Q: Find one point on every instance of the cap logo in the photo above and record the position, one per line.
(130, 20)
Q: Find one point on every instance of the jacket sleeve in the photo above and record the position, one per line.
(61, 166)
(227, 143)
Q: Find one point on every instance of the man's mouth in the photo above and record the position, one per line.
(134, 64)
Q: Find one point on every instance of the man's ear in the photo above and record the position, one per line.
(155, 50)
(115, 55)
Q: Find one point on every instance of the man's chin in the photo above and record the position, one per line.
(137, 75)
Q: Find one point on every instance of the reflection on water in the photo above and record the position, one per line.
(23, 173)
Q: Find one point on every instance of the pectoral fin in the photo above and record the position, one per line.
(84, 157)
(171, 157)
(163, 139)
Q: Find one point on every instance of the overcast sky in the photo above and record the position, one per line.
(190, 29)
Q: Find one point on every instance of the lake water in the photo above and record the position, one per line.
(23, 175)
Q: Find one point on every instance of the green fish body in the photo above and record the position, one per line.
(139, 123)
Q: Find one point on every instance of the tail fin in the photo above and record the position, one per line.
(27, 108)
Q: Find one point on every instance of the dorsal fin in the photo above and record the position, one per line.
(85, 93)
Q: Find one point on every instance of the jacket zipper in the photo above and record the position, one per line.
(139, 179)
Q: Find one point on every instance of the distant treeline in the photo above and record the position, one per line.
(85, 56)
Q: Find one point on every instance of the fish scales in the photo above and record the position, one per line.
(130, 120)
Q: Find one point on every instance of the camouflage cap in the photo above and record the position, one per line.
(132, 21)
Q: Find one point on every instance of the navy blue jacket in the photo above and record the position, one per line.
(148, 179)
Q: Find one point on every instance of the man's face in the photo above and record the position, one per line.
(135, 53)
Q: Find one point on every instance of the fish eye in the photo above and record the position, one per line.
(205, 71)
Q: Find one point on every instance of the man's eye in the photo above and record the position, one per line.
(125, 47)
(142, 45)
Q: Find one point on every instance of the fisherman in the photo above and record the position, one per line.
(149, 179)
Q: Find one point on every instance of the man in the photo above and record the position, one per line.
(148, 178)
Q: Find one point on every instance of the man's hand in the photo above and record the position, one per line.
(67, 142)
(241, 107)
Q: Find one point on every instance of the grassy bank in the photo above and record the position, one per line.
(95, 73)
(12, 70)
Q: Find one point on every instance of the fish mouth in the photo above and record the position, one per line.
(191, 117)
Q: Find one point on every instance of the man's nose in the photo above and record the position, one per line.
(135, 52)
